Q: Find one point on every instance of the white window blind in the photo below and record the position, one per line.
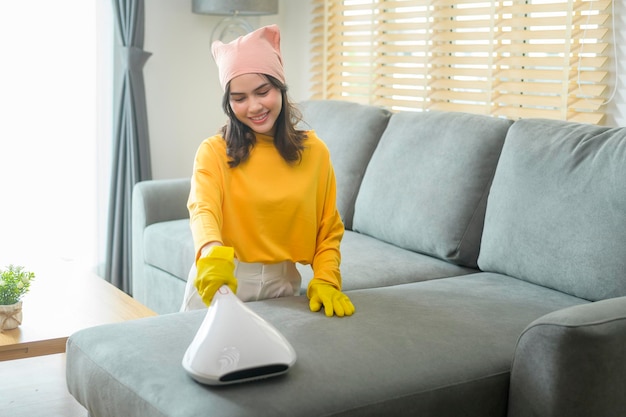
(513, 58)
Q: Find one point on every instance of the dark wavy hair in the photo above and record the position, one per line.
(240, 138)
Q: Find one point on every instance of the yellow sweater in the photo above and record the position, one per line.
(268, 210)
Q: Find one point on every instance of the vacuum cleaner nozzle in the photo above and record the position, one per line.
(234, 344)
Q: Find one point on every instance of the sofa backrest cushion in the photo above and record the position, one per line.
(351, 131)
(426, 186)
(556, 215)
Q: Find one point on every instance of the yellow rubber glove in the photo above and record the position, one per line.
(215, 269)
(333, 300)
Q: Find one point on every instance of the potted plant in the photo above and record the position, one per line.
(14, 283)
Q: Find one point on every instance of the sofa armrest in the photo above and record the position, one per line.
(572, 362)
(157, 201)
(153, 201)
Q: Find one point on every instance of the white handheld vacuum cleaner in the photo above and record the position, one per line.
(234, 344)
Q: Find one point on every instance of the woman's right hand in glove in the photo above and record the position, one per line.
(215, 269)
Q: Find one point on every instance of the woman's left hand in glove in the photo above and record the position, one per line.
(334, 301)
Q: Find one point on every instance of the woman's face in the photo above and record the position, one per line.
(255, 102)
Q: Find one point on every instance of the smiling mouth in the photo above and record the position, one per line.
(259, 119)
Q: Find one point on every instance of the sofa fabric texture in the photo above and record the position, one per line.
(367, 259)
(557, 208)
(442, 163)
(173, 237)
(485, 259)
(430, 348)
(160, 222)
(557, 349)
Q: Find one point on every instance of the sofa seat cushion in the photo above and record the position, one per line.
(432, 348)
(168, 246)
(556, 214)
(426, 186)
(367, 263)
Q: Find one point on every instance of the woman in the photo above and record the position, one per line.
(262, 191)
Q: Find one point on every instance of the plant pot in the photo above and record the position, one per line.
(10, 316)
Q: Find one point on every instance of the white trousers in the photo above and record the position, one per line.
(255, 281)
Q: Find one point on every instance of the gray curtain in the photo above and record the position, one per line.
(131, 152)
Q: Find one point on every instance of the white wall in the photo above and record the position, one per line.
(182, 89)
(184, 96)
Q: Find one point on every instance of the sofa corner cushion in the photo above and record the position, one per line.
(426, 186)
(351, 131)
(572, 362)
(556, 214)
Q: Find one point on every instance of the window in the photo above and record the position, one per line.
(53, 177)
(511, 58)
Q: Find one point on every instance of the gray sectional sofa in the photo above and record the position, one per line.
(486, 260)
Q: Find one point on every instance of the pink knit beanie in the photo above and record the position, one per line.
(257, 52)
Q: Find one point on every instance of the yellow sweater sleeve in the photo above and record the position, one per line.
(207, 192)
(268, 210)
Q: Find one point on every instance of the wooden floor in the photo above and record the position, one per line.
(35, 387)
